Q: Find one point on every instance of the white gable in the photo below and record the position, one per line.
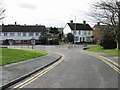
(66, 29)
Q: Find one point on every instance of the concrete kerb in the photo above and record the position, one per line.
(28, 74)
(112, 62)
(105, 58)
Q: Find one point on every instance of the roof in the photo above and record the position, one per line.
(100, 26)
(79, 26)
(23, 28)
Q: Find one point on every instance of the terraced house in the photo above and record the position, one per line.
(82, 31)
(17, 34)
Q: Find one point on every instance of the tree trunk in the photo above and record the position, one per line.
(118, 44)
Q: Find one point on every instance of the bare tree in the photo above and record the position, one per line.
(2, 11)
(108, 12)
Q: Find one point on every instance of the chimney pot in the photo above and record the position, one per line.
(15, 23)
(84, 22)
(71, 21)
(98, 23)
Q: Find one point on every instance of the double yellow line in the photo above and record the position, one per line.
(36, 76)
(109, 62)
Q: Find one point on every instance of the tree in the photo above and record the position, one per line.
(108, 12)
(2, 11)
(55, 35)
(43, 38)
(70, 37)
(107, 40)
(54, 30)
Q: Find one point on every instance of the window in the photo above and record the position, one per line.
(88, 39)
(79, 32)
(19, 34)
(76, 38)
(18, 41)
(89, 33)
(24, 34)
(12, 34)
(30, 34)
(5, 34)
(74, 32)
(85, 33)
(37, 33)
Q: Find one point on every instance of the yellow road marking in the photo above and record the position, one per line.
(107, 61)
(36, 76)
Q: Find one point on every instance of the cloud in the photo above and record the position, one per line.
(28, 6)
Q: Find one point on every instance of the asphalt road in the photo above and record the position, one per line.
(76, 71)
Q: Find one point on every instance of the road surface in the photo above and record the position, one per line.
(76, 71)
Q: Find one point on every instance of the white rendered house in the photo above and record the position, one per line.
(82, 32)
(20, 33)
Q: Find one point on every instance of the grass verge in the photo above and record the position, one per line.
(8, 56)
(100, 49)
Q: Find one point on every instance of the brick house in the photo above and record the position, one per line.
(97, 30)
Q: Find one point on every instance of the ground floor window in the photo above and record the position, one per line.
(76, 38)
(88, 39)
(18, 41)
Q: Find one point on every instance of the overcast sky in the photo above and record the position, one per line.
(54, 13)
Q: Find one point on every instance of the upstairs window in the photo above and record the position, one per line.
(5, 34)
(89, 33)
(19, 34)
(37, 34)
(74, 32)
(31, 34)
(24, 34)
(79, 32)
(12, 34)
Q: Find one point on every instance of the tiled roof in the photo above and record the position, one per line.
(23, 28)
(79, 26)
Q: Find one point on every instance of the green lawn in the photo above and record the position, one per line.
(8, 56)
(100, 49)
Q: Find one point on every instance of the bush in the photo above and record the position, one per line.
(53, 42)
(108, 44)
(107, 40)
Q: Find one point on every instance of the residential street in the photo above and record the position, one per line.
(76, 71)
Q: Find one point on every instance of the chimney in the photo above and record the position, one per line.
(15, 23)
(71, 21)
(84, 22)
(98, 23)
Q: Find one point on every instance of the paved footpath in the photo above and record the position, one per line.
(17, 70)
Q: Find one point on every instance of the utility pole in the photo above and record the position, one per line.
(75, 31)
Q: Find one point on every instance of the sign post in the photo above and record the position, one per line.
(32, 42)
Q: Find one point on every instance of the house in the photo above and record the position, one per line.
(17, 34)
(82, 32)
(97, 30)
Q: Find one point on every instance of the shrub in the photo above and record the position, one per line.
(109, 44)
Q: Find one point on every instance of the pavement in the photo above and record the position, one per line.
(16, 72)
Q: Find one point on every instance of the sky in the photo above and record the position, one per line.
(51, 13)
